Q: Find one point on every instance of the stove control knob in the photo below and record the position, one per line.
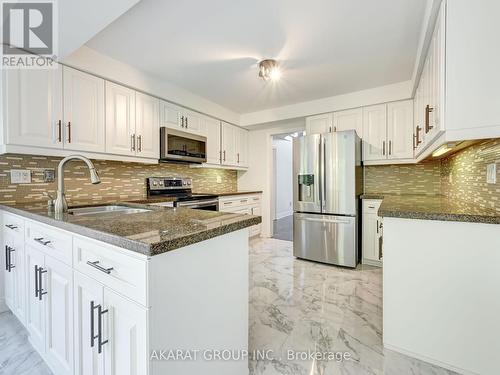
(184, 183)
(161, 183)
(155, 183)
(189, 183)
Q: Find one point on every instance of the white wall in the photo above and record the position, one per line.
(283, 178)
(259, 175)
(382, 94)
(94, 62)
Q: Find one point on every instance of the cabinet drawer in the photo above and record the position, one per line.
(109, 265)
(52, 241)
(13, 224)
(371, 206)
(238, 201)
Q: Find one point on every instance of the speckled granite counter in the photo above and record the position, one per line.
(154, 232)
(425, 207)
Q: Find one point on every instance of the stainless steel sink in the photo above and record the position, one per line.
(106, 210)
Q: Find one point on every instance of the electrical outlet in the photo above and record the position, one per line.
(219, 179)
(491, 173)
(20, 176)
(49, 175)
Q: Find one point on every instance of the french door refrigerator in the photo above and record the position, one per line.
(328, 180)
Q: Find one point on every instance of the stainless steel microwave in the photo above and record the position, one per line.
(179, 146)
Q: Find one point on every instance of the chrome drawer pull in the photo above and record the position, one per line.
(42, 241)
(10, 226)
(100, 268)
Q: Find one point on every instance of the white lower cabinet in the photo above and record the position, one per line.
(125, 329)
(110, 331)
(243, 204)
(371, 233)
(35, 307)
(15, 281)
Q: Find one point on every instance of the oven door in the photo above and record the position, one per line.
(207, 205)
(176, 145)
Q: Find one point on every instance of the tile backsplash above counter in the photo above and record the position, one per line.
(119, 180)
(460, 176)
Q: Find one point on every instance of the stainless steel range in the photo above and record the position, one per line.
(180, 189)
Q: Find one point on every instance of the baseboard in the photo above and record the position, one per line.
(429, 360)
(376, 263)
(281, 215)
(3, 306)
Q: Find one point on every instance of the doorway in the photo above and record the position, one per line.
(282, 194)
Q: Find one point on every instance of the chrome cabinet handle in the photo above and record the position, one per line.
(59, 131)
(69, 131)
(93, 307)
(40, 240)
(40, 287)
(383, 147)
(390, 147)
(139, 143)
(238, 158)
(132, 142)
(8, 261)
(36, 281)
(380, 241)
(224, 155)
(220, 156)
(96, 265)
(182, 121)
(377, 226)
(428, 110)
(186, 122)
(10, 226)
(100, 343)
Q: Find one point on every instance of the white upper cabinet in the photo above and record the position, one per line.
(242, 147)
(147, 126)
(374, 132)
(192, 122)
(213, 134)
(229, 144)
(32, 107)
(351, 119)
(319, 124)
(83, 111)
(170, 115)
(120, 120)
(400, 130)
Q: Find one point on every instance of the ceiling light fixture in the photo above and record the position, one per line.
(269, 70)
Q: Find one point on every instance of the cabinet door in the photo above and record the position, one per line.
(400, 130)
(32, 107)
(35, 308)
(127, 349)
(229, 142)
(319, 124)
(88, 293)
(59, 315)
(370, 237)
(351, 119)
(147, 126)
(120, 120)
(242, 147)
(193, 123)
(213, 140)
(170, 115)
(83, 111)
(19, 277)
(374, 132)
(9, 275)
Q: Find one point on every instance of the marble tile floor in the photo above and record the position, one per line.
(304, 306)
(294, 305)
(17, 356)
(283, 228)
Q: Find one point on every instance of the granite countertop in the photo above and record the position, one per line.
(228, 193)
(436, 207)
(151, 233)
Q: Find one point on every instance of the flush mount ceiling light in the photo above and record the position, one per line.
(269, 70)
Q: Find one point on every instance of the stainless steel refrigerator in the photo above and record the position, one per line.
(328, 180)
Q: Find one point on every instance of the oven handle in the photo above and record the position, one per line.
(198, 203)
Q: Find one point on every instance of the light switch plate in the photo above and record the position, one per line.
(20, 176)
(219, 179)
(491, 173)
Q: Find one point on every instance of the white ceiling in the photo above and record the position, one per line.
(326, 47)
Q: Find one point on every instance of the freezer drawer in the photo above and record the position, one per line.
(325, 238)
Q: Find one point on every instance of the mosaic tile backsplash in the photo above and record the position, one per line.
(460, 176)
(119, 180)
(463, 175)
(423, 178)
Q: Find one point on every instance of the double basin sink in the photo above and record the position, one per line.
(106, 210)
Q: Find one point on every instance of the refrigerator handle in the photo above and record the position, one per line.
(323, 172)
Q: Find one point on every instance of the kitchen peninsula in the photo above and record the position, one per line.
(100, 291)
(440, 277)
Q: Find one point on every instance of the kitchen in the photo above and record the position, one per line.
(164, 157)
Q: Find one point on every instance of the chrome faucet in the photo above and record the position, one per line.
(61, 205)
